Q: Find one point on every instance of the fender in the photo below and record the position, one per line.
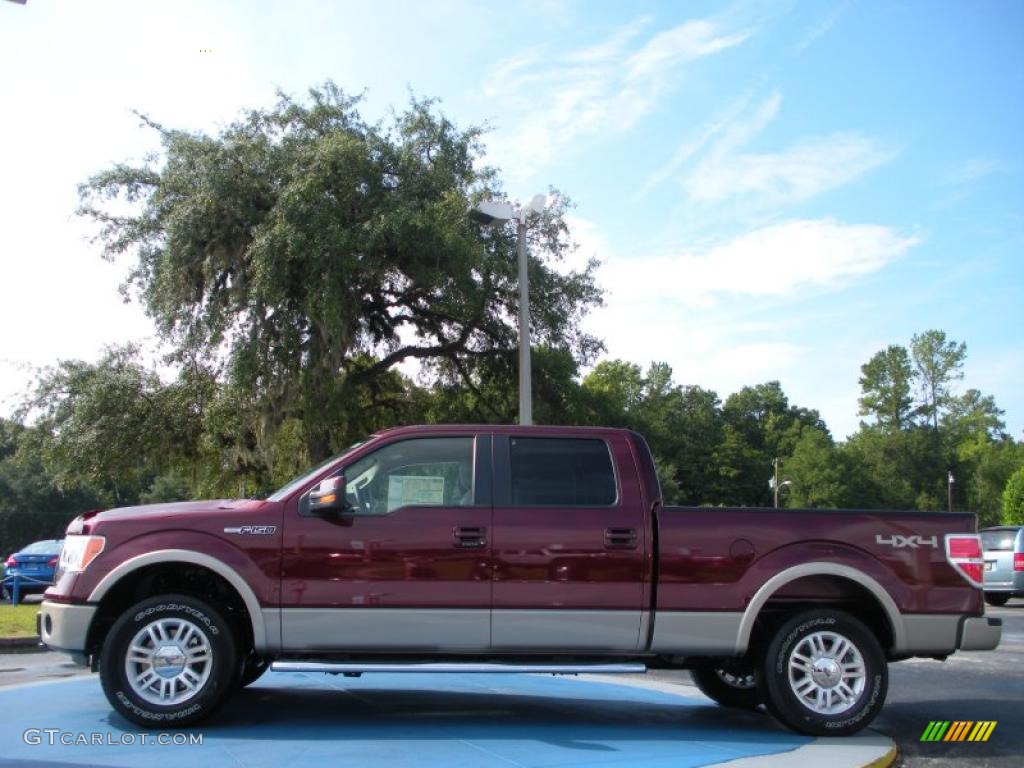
(266, 636)
(780, 580)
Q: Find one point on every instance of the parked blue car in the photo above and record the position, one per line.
(34, 566)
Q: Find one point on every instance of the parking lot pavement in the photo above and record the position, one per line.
(967, 686)
(410, 720)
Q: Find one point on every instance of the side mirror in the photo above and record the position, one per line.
(329, 496)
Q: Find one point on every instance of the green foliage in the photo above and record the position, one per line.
(169, 487)
(822, 475)
(32, 506)
(110, 425)
(1013, 499)
(315, 252)
(937, 363)
(886, 381)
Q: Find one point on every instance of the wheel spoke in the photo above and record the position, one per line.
(827, 672)
(840, 649)
(180, 648)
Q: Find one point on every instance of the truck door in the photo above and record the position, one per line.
(568, 544)
(408, 566)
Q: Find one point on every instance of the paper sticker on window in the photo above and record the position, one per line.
(406, 490)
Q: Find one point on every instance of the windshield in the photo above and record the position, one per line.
(50, 547)
(282, 493)
(999, 540)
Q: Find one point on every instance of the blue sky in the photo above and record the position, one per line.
(776, 190)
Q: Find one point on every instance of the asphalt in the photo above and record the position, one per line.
(966, 687)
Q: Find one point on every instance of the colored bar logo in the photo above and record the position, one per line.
(958, 730)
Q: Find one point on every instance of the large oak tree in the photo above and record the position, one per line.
(314, 252)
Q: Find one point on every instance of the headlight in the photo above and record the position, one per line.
(79, 551)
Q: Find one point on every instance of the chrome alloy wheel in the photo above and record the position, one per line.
(168, 661)
(827, 673)
(741, 681)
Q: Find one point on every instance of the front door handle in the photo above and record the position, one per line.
(470, 537)
(620, 538)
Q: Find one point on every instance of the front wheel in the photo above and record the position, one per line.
(731, 685)
(168, 661)
(824, 674)
(993, 598)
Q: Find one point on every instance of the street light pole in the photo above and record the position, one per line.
(775, 480)
(498, 211)
(525, 382)
(949, 489)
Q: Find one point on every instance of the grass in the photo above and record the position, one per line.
(18, 620)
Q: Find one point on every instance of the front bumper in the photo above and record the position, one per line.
(980, 633)
(65, 626)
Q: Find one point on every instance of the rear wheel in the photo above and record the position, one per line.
(824, 673)
(731, 685)
(993, 598)
(168, 661)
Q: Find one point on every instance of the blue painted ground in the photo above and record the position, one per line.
(394, 720)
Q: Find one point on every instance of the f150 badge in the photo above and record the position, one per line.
(903, 542)
(253, 530)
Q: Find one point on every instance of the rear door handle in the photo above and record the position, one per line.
(620, 538)
(470, 537)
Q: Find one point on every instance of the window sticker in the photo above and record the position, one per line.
(406, 490)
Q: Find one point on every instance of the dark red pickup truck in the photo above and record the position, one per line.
(520, 549)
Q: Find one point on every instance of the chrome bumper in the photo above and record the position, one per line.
(980, 633)
(64, 626)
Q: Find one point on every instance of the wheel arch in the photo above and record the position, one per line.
(264, 636)
(789, 576)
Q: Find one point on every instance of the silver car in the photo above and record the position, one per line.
(1004, 563)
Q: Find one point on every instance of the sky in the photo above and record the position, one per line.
(775, 190)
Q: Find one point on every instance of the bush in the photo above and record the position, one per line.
(1013, 499)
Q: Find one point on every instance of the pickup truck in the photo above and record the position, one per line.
(511, 549)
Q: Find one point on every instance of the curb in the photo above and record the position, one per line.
(19, 643)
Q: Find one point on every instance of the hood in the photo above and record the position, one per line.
(166, 511)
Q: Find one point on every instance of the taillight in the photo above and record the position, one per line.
(963, 551)
(11, 562)
(52, 562)
(1018, 561)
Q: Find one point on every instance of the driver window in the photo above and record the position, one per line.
(429, 471)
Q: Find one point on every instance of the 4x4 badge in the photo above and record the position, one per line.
(902, 542)
(256, 530)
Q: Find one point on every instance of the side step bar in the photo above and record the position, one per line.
(555, 669)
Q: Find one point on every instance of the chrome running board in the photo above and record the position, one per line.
(554, 669)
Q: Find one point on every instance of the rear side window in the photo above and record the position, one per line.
(561, 472)
(998, 541)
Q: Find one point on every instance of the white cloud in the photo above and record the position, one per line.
(801, 171)
(596, 90)
(713, 314)
(816, 31)
(686, 42)
(972, 170)
(776, 260)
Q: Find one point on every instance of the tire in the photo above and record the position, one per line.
(185, 669)
(850, 676)
(996, 599)
(253, 669)
(731, 685)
